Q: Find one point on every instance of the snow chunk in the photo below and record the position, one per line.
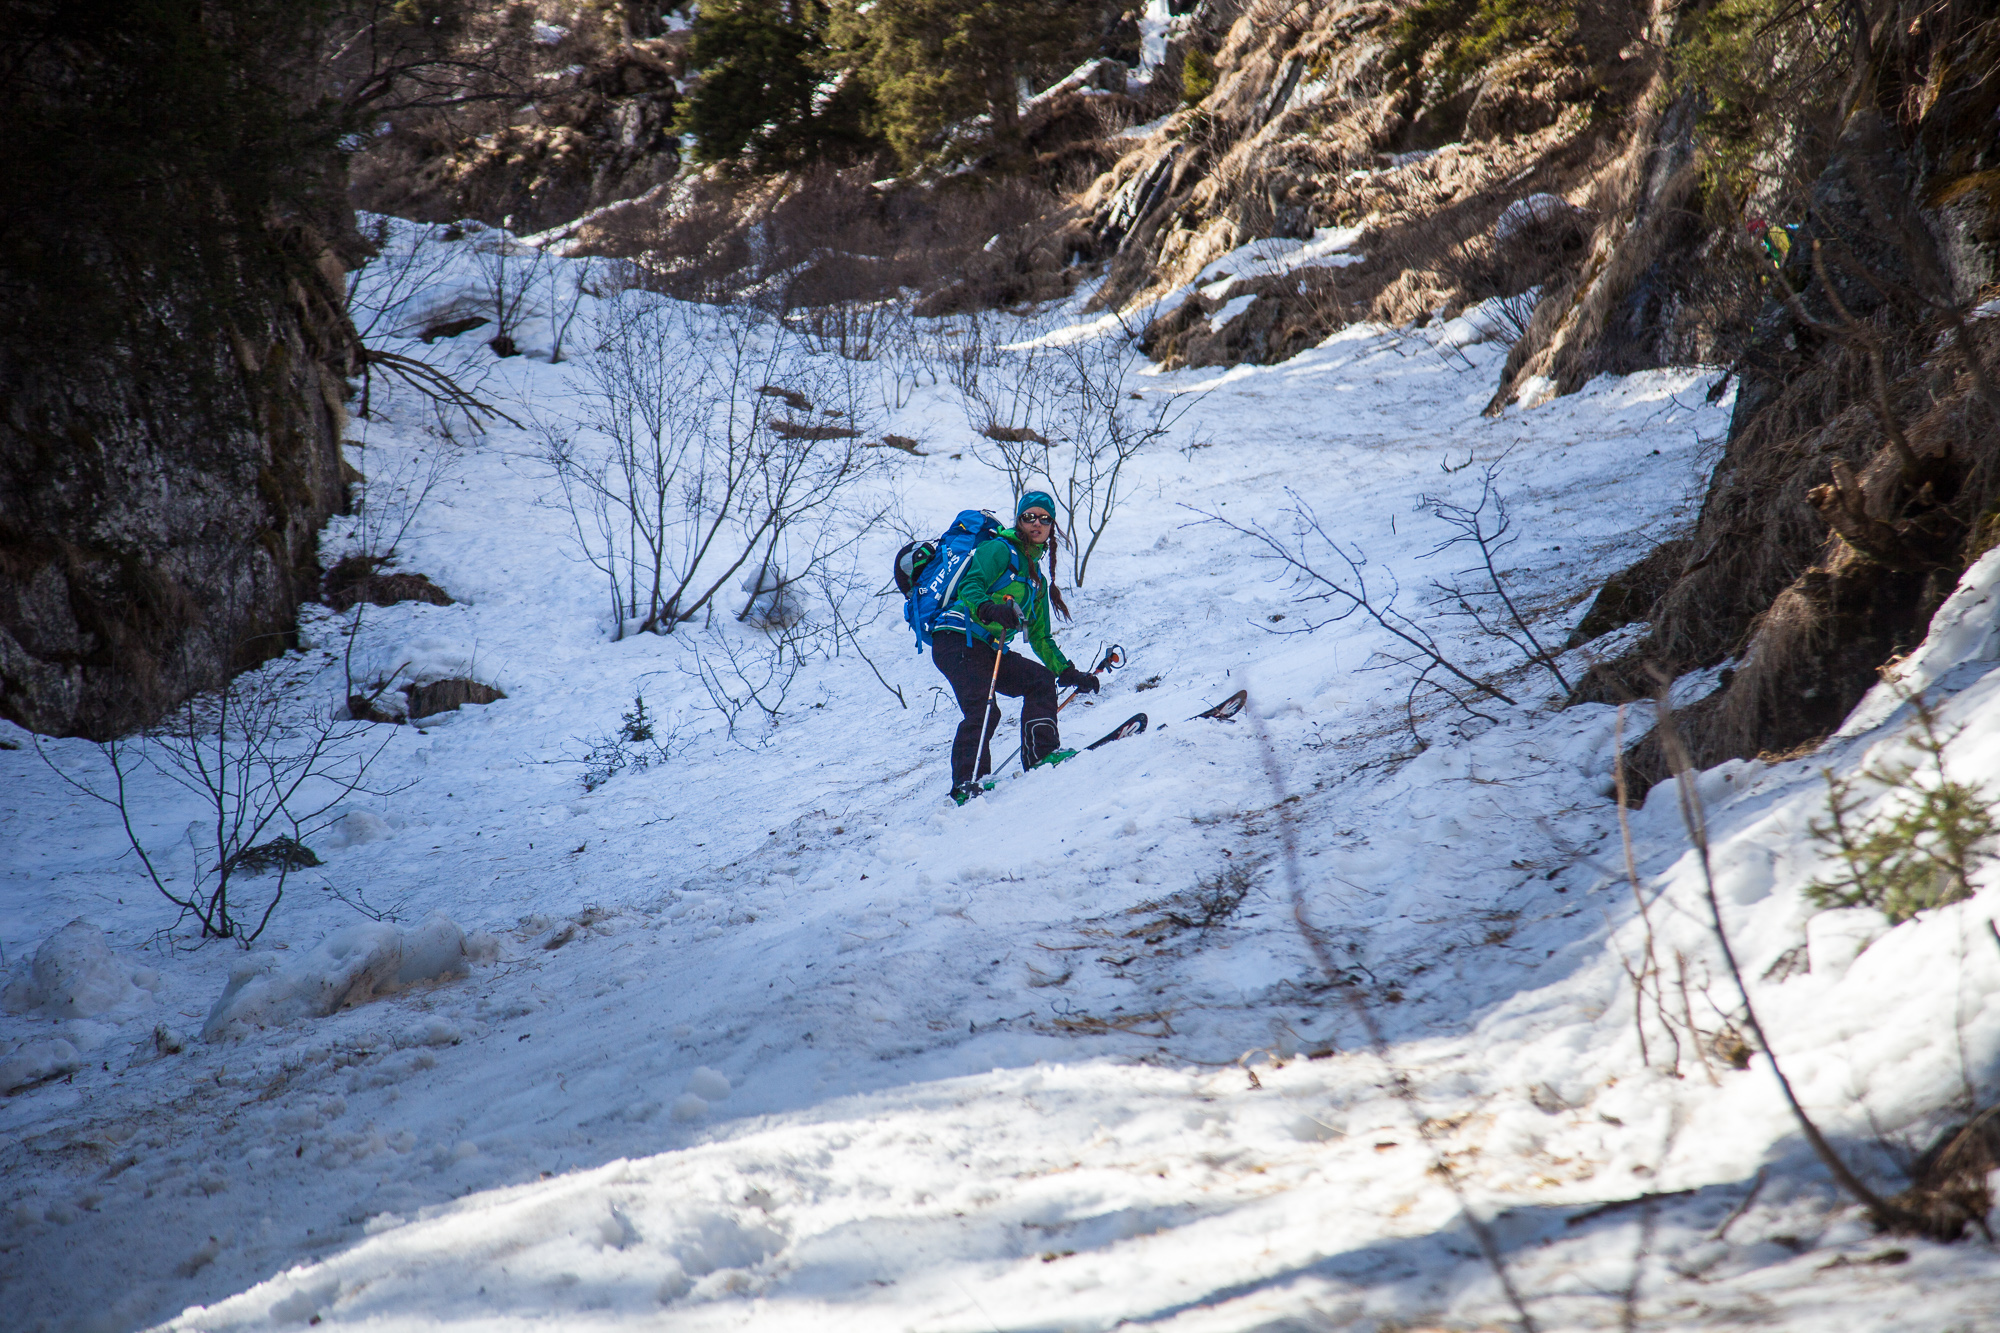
(37, 1060)
(357, 827)
(434, 950)
(304, 1305)
(709, 1085)
(73, 975)
(1532, 214)
(688, 1107)
(351, 966)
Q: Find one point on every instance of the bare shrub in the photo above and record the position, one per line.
(1480, 593)
(1885, 1213)
(1325, 573)
(266, 778)
(747, 668)
(510, 273)
(407, 260)
(1066, 416)
(684, 472)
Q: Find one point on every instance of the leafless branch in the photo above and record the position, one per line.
(1304, 559)
(1488, 529)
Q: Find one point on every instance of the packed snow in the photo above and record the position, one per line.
(765, 1033)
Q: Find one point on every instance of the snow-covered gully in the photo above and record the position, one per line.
(772, 1036)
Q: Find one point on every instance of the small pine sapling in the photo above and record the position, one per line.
(1918, 852)
(635, 746)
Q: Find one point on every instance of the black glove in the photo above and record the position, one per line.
(1004, 614)
(1082, 681)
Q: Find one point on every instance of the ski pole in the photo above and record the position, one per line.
(1111, 661)
(992, 688)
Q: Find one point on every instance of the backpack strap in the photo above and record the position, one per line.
(951, 589)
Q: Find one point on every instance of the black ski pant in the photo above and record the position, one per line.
(969, 668)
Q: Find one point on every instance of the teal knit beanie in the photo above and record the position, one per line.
(1041, 498)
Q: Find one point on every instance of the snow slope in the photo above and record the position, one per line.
(777, 1038)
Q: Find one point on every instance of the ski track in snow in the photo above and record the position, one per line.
(832, 1054)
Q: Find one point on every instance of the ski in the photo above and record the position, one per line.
(1227, 709)
(1131, 726)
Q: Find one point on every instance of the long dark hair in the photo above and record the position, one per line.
(1055, 593)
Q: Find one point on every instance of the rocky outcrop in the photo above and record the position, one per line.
(1320, 118)
(1861, 473)
(585, 139)
(160, 503)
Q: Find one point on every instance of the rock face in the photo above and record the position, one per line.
(158, 530)
(1324, 117)
(1862, 469)
(173, 341)
(1441, 153)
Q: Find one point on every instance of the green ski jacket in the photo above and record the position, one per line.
(987, 578)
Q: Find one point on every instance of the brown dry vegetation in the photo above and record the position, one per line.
(359, 578)
(586, 124)
(996, 238)
(1311, 125)
(1862, 468)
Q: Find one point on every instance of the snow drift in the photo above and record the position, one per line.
(351, 966)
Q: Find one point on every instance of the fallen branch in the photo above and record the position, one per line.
(428, 380)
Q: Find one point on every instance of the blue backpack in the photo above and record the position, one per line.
(927, 573)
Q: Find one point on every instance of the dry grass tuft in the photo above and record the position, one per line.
(358, 578)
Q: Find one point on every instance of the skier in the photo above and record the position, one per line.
(1001, 591)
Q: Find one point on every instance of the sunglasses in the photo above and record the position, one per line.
(1037, 517)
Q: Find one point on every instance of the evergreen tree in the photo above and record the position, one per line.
(764, 87)
(931, 63)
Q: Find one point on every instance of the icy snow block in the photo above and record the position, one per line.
(357, 827)
(434, 951)
(73, 975)
(351, 966)
(37, 1060)
(708, 1084)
